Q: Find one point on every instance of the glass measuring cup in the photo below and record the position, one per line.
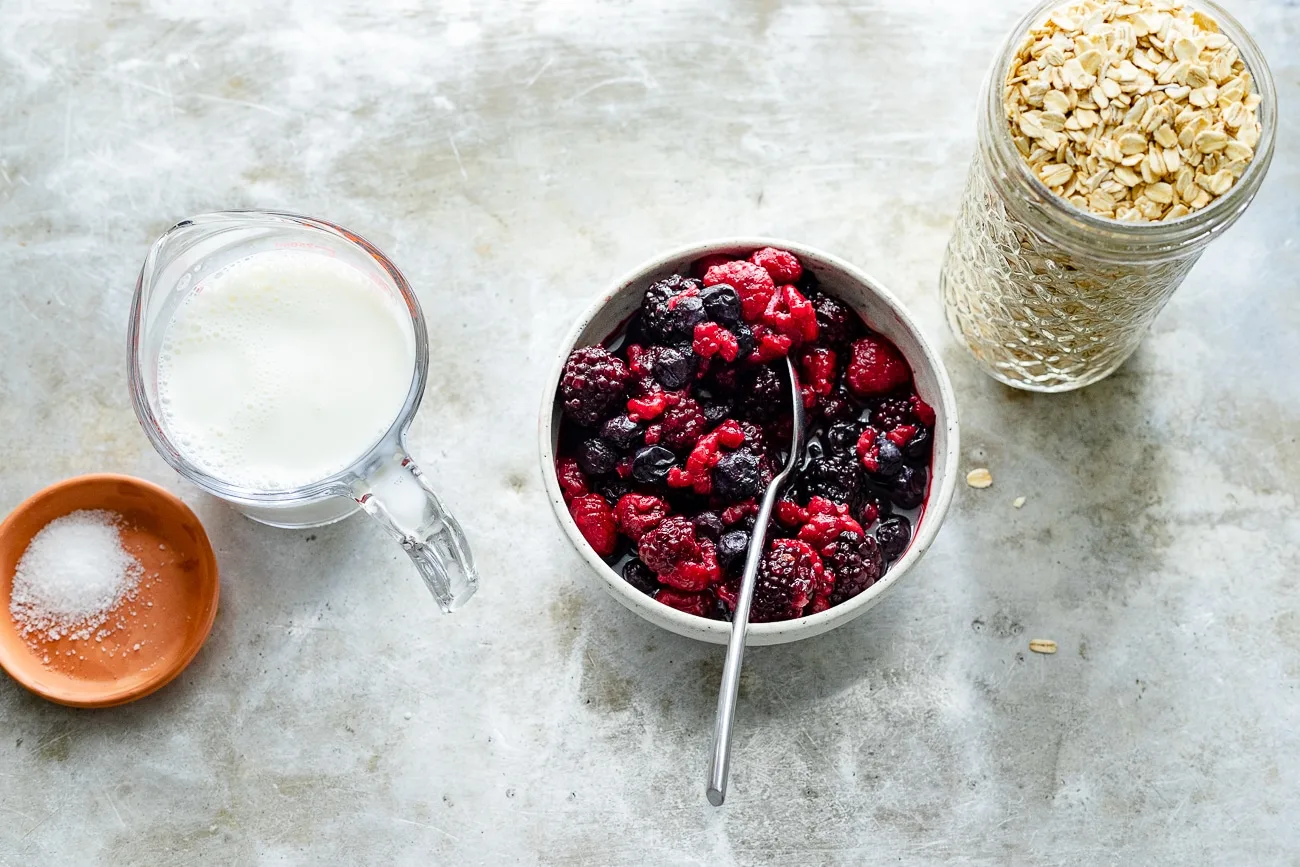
(383, 480)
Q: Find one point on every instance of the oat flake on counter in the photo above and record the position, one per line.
(73, 573)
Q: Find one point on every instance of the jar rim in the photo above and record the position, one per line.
(1105, 237)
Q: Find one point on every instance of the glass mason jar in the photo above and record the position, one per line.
(1048, 297)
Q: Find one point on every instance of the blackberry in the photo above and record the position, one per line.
(837, 325)
(651, 464)
(744, 339)
(683, 424)
(722, 305)
(731, 549)
(908, 490)
(840, 405)
(708, 525)
(621, 432)
(596, 457)
(893, 534)
(786, 579)
(684, 313)
(842, 436)
(890, 412)
(654, 306)
(715, 407)
(638, 574)
(736, 476)
(763, 395)
(856, 562)
(673, 368)
(835, 477)
(917, 450)
(592, 384)
(871, 507)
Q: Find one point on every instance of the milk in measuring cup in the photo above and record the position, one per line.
(283, 368)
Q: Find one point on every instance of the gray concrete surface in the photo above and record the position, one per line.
(512, 156)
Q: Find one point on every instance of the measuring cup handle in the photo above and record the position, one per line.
(398, 495)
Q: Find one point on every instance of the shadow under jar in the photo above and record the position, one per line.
(1048, 297)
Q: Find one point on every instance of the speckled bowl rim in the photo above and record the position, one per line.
(944, 467)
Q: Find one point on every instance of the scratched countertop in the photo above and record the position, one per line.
(513, 157)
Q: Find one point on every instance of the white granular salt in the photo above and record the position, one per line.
(73, 573)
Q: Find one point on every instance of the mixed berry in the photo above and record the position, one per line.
(674, 428)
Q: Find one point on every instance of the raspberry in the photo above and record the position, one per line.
(638, 514)
(826, 521)
(837, 325)
(595, 521)
(705, 456)
(790, 513)
(646, 408)
(637, 360)
(712, 339)
(789, 313)
(692, 603)
(655, 307)
(902, 435)
(592, 384)
(639, 576)
(700, 267)
(856, 562)
(923, 411)
(682, 423)
(753, 283)
(768, 345)
(737, 513)
(817, 370)
(876, 367)
(678, 557)
(572, 482)
(789, 575)
(783, 266)
(893, 534)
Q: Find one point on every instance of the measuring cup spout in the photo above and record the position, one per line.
(397, 493)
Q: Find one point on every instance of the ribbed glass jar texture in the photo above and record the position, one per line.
(1047, 297)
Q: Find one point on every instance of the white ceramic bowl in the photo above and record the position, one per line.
(882, 313)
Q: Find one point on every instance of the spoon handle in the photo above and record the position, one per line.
(717, 790)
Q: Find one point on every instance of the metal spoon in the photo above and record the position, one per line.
(717, 790)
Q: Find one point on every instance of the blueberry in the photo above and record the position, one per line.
(612, 488)
(622, 432)
(639, 576)
(744, 339)
(842, 436)
(681, 319)
(893, 534)
(596, 457)
(732, 547)
(736, 476)
(708, 525)
(651, 464)
(720, 611)
(908, 490)
(673, 368)
(889, 461)
(917, 450)
(722, 304)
